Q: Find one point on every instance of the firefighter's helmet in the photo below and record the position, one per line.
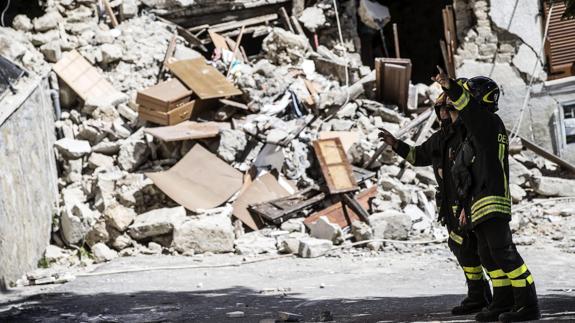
(484, 90)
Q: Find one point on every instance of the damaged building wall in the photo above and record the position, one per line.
(502, 39)
(28, 189)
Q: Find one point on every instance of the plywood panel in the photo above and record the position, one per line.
(206, 81)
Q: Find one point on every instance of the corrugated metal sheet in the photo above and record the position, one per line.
(560, 44)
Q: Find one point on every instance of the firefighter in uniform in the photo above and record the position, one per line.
(480, 173)
(438, 151)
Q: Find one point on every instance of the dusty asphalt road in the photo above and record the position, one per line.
(421, 285)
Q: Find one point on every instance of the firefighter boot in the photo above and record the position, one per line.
(502, 303)
(526, 306)
(478, 297)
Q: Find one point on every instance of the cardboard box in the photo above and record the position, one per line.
(175, 116)
(164, 96)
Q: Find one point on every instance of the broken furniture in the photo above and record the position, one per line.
(338, 174)
(166, 103)
(282, 209)
(206, 81)
(200, 180)
(392, 77)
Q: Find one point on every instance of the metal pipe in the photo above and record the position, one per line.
(55, 94)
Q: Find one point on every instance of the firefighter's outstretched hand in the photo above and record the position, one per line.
(387, 137)
(462, 218)
(442, 78)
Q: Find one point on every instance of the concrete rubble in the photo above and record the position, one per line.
(108, 206)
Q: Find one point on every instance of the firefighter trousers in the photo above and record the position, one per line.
(464, 247)
(511, 279)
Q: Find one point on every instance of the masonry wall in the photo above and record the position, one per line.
(502, 39)
(28, 184)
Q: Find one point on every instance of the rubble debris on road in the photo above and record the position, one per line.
(241, 133)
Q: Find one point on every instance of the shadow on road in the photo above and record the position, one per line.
(212, 306)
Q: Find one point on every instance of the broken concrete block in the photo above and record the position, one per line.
(361, 232)
(232, 144)
(293, 225)
(39, 39)
(107, 147)
(76, 222)
(120, 217)
(373, 14)
(122, 242)
(518, 173)
(426, 176)
(129, 8)
(207, 233)
(100, 160)
(553, 186)
(111, 53)
(52, 51)
(312, 247)
(312, 18)
(390, 224)
(54, 254)
(133, 151)
(157, 222)
(517, 193)
(73, 149)
(22, 22)
(283, 47)
(323, 229)
(48, 21)
(97, 234)
(102, 253)
(254, 243)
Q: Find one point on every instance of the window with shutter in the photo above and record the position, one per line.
(560, 43)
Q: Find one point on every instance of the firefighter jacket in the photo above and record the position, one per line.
(489, 192)
(438, 151)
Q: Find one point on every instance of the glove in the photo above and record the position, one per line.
(388, 138)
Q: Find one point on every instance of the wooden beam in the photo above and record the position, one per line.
(396, 41)
(297, 26)
(545, 154)
(169, 53)
(110, 13)
(246, 22)
(425, 129)
(284, 18)
(234, 104)
(414, 123)
(191, 38)
(238, 42)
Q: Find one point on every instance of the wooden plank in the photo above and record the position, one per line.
(335, 212)
(82, 77)
(110, 13)
(169, 53)
(297, 26)
(425, 129)
(545, 154)
(335, 167)
(280, 210)
(235, 51)
(206, 81)
(284, 18)
(396, 41)
(188, 130)
(218, 40)
(234, 104)
(246, 22)
(412, 124)
(191, 38)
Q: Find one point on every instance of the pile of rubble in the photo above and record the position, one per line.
(125, 191)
